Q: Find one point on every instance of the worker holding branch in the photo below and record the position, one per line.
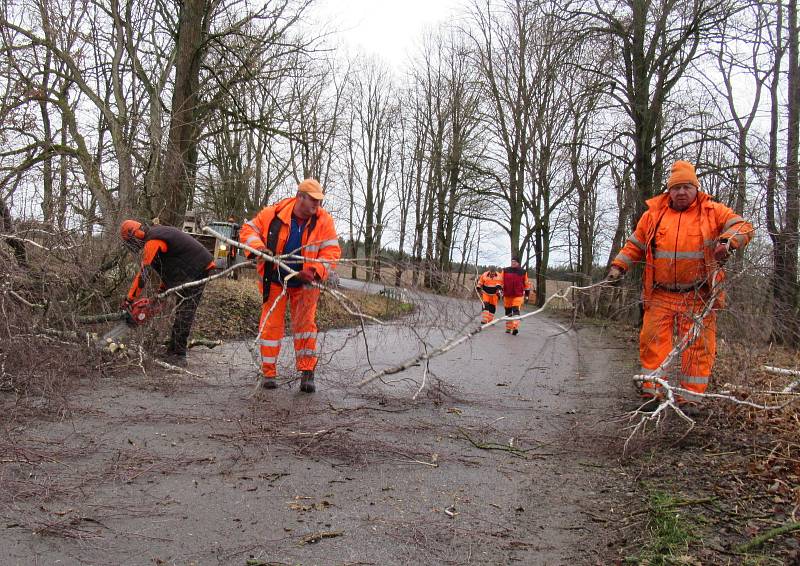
(683, 239)
(301, 227)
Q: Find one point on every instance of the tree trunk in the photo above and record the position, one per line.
(183, 131)
(785, 245)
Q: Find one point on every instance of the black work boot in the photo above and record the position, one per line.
(515, 332)
(269, 382)
(174, 358)
(307, 381)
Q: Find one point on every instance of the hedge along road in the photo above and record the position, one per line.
(502, 457)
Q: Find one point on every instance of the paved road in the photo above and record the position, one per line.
(500, 459)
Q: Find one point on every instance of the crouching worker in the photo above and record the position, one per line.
(300, 226)
(176, 258)
(489, 287)
(516, 288)
(683, 238)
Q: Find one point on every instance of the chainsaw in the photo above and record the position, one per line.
(136, 314)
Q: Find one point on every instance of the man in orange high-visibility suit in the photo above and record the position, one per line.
(300, 226)
(490, 287)
(683, 238)
(516, 286)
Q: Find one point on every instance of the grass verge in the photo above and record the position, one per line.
(230, 309)
(669, 532)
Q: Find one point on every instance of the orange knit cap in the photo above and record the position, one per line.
(312, 188)
(131, 229)
(682, 172)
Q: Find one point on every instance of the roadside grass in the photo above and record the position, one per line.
(230, 309)
(669, 532)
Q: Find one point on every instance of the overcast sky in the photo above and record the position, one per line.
(388, 28)
(393, 30)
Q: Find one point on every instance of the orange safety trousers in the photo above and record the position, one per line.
(303, 311)
(667, 319)
(511, 306)
(489, 307)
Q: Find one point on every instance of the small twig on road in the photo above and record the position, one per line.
(767, 536)
(519, 452)
(316, 537)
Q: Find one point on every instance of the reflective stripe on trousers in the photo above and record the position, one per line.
(489, 307)
(667, 319)
(511, 306)
(303, 313)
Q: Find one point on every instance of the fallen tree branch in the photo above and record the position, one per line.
(767, 536)
(11, 237)
(210, 344)
(783, 371)
(24, 301)
(190, 284)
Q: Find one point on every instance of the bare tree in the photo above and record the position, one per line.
(372, 102)
(500, 38)
(783, 217)
(652, 44)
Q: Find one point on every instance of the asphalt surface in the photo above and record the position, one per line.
(499, 451)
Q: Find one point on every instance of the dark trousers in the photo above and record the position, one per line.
(187, 302)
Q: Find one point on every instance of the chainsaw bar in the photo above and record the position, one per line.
(118, 331)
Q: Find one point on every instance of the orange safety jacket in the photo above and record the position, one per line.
(491, 285)
(320, 242)
(678, 246)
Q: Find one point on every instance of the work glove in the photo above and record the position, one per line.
(614, 274)
(722, 251)
(307, 275)
(126, 304)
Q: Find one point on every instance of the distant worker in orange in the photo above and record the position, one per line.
(176, 258)
(516, 288)
(683, 239)
(490, 287)
(300, 226)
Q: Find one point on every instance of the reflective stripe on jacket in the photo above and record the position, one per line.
(320, 241)
(678, 246)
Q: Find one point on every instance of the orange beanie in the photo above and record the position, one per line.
(131, 229)
(682, 172)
